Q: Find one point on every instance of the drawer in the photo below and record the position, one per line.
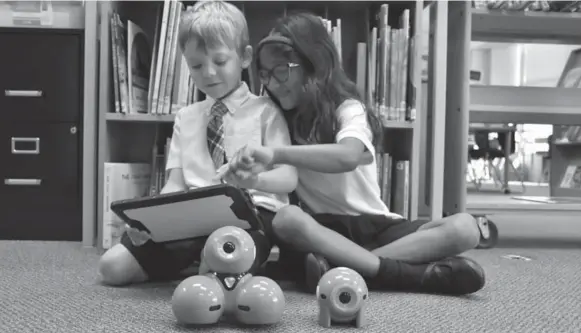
(40, 182)
(41, 76)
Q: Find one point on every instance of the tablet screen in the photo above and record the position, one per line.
(187, 219)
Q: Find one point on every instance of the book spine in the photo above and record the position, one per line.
(160, 54)
(123, 75)
(108, 174)
(115, 64)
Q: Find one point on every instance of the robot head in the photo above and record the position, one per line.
(229, 250)
(343, 290)
(198, 299)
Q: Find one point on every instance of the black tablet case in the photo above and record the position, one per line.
(189, 214)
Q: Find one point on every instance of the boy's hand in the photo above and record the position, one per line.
(241, 178)
(137, 236)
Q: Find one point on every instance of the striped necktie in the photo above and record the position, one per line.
(215, 134)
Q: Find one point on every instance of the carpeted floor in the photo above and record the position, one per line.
(51, 287)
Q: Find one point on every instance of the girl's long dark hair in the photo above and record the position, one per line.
(326, 83)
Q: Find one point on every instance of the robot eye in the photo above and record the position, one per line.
(229, 247)
(323, 296)
(365, 297)
(345, 297)
(215, 307)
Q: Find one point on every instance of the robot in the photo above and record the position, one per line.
(342, 294)
(227, 289)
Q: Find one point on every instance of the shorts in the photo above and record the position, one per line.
(167, 261)
(369, 231)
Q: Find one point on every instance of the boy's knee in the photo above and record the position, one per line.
(117, 266)
(290, 223)
(465, 231)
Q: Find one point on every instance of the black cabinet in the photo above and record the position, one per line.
(40, 78)
(40, 141)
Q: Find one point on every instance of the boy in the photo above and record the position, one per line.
(213, 37)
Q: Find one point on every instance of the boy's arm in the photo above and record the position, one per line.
(282, 178)
(175, 181)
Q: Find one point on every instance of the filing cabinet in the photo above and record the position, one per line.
(40, 142)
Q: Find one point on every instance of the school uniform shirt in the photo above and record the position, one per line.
(251, 119)
(349, 193)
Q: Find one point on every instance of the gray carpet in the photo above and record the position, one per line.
(51, 287)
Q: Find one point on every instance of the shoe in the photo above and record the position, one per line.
(315, 267)
(454, 276)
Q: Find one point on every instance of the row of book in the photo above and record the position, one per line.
(570, 134)
(150, 77)
(384, 66)
(386, 58)
(154, 78)
(393, 176)
(526, 5)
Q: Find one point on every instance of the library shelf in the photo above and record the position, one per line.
(526, 27)
(165, 118)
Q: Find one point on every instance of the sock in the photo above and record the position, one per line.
(398, 275)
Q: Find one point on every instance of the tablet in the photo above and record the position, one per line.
(189, 214)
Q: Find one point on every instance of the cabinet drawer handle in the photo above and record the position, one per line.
(22, 182)
(34, 151)
(23, 93)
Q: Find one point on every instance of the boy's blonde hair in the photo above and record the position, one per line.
(212, 24)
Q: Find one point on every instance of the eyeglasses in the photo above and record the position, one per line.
(281, 73)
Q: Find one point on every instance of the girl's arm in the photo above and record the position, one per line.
(353, 148)
(282, 179)
(175, 181)
(339, 157)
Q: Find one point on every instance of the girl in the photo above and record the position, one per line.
(342, 218)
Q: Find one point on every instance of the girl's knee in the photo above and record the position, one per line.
(464, 230)
(118, 267)
(290, 222)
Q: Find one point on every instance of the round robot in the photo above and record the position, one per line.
(199, 300)
(227, 289)
(259, 301)
(342, 294)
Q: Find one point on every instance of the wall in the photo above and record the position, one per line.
(481, 63)
(544, 63)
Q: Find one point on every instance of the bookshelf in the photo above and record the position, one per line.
(129, 138)
(510, 104)
(432, 128)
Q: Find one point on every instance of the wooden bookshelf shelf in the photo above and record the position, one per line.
(570, 192)
(139, 118)
(568, 144)
(525, 105)
(526, 27)
(518, 206)
(392, 124)
(170, 118)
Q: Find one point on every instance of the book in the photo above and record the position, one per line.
(138, 66)
(121, 181)
(572, 177)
